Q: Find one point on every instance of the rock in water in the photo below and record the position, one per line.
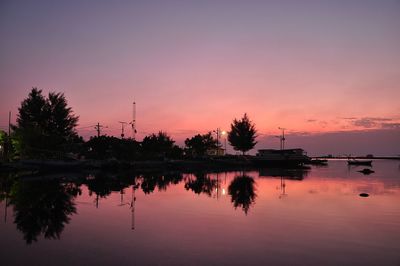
(366, 171)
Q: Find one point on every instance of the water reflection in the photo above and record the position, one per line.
(161, 181)
(243, 192)
(42, 207)
(6, 182)
(131, 204)
(292, 174)
(201, 183)
(103, 185)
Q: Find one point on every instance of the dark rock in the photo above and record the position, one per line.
(366, 171)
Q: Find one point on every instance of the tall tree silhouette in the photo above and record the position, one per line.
(242, 135)
(45, 125)
(42, 207)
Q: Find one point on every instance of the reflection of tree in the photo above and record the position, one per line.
(42, 207)
(103, 185)
(6, 181)
(242, 190)
(202, 183)
(151, 181)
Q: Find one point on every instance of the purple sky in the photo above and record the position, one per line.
(328, 71)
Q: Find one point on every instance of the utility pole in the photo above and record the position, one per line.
(98, 128)
(7, 145)
(280, 141)
(225, 134)
(217, 132)
(122, 128)
(282, 138)
(217, 140)
(9, 124)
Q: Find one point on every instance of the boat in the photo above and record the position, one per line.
(318, 161)
(281, 158)
(358, 162)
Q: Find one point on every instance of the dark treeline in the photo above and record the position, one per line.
(46, 128)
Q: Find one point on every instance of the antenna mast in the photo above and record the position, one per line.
(133, 123)
(122, 128)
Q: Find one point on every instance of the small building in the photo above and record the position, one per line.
(287, 157)
(216, 152)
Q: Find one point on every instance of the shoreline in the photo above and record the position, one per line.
(51, 166)
(188, 165)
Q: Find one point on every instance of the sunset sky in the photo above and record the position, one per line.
(328, 71)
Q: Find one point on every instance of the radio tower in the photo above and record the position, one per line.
(133, 123)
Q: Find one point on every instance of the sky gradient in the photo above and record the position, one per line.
(328, 71)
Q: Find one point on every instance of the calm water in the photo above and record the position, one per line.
(235, 218)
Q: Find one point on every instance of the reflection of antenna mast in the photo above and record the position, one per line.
(122, 192)
(97, 201)
(133, 207)
(283, 188)
(133, 123)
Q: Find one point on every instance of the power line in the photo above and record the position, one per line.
(78, 128)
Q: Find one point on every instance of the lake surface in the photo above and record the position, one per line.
(273, 217)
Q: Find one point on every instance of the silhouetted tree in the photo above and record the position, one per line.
(242, 191)
(106, 147)
(242, 135)
(45, 126)
(160, 146)
(199, 144)
(175, 153)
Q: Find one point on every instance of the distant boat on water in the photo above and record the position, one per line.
(281, 158)
(318, 162)
(358, 162)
